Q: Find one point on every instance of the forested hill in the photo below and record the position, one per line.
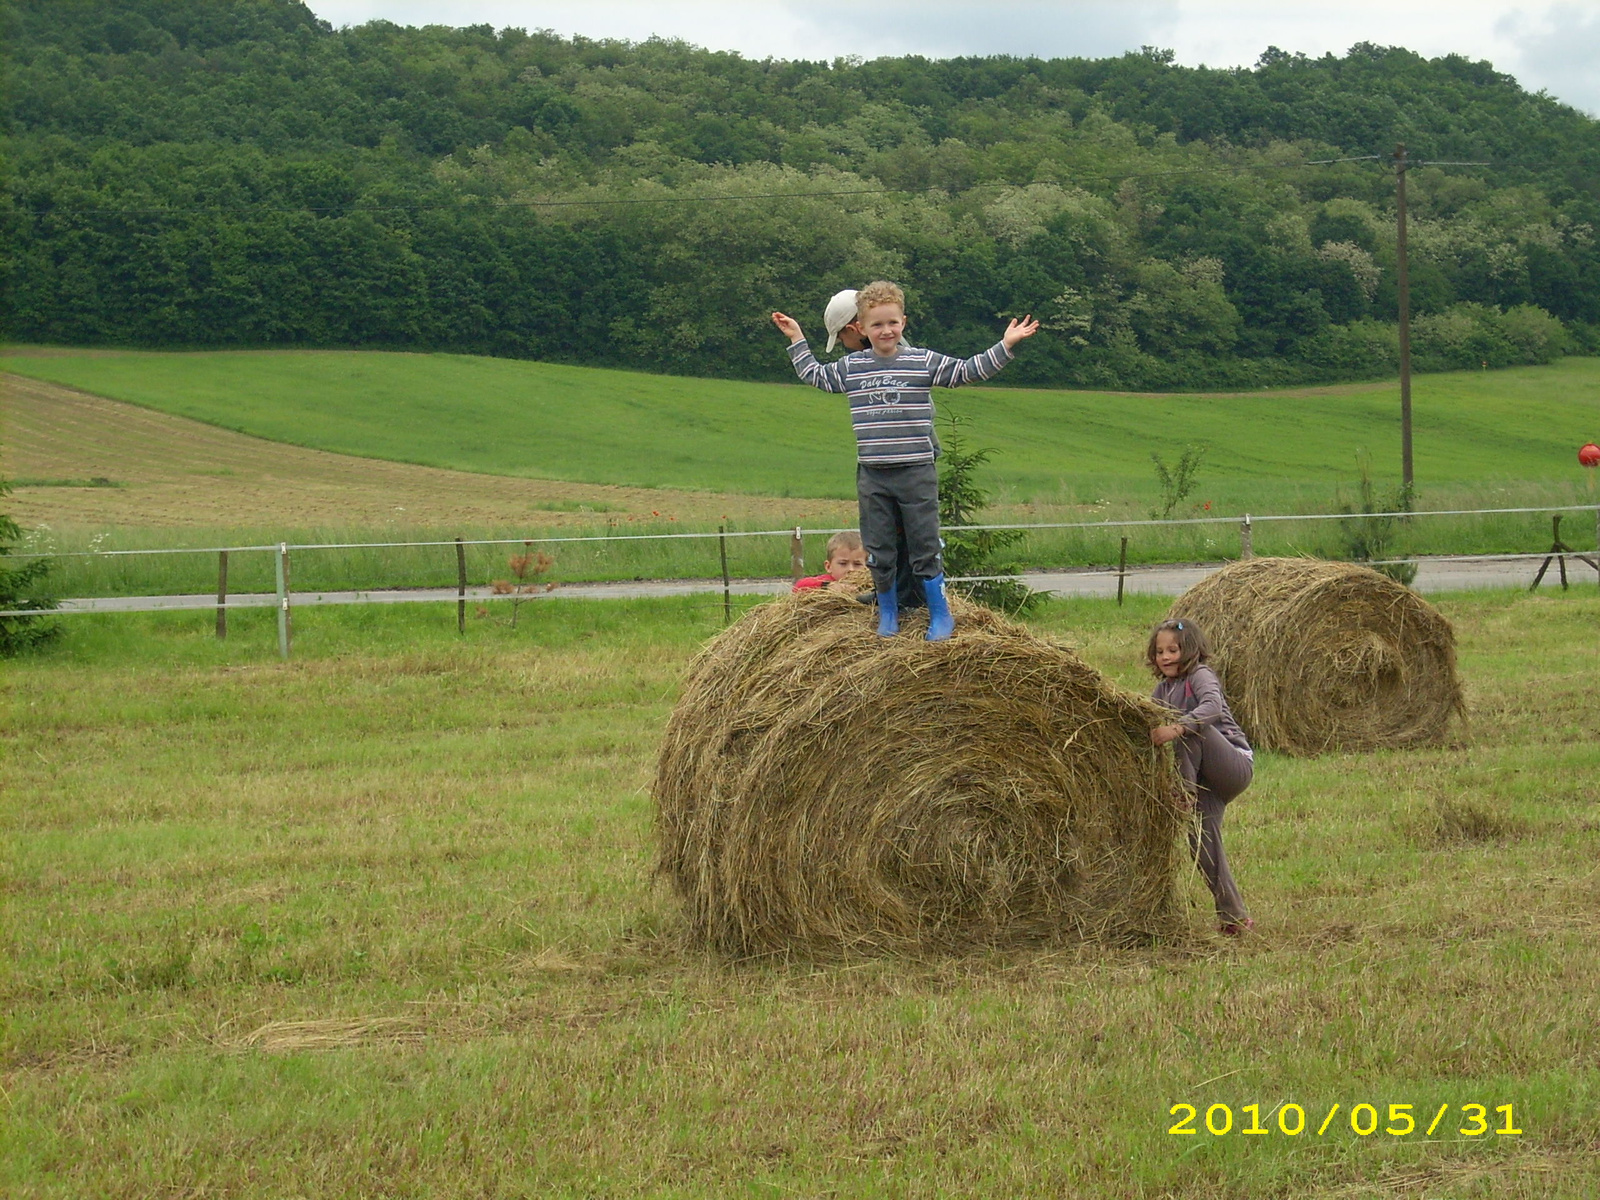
(236, 172)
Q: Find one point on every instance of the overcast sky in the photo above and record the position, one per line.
(1553, 46)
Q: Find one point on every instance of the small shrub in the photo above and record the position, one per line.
(526, 567)
(961, 501)
(1369, 538)
(1468, 335)
(19, 591)
(1176, 482)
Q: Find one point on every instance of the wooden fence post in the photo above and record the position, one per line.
(1247, 547)
(461, 587)
(727, 598)
(1122, 570)
(222, 595)
(284, 631)
(797, 556)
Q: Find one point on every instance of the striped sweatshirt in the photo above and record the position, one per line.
(891, 402)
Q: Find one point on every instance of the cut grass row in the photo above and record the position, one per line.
(381, 921)
(1268, 451)
(171, 473)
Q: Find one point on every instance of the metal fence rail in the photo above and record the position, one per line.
(1243, 520)
(283, 600)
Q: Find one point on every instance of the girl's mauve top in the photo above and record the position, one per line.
(1198, 700)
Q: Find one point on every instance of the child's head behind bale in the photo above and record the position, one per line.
(824, 790)
(1318, 656)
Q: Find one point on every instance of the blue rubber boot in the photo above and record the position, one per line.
(888, 613)
(940, 623)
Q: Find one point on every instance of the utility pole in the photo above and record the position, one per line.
(1400, 164)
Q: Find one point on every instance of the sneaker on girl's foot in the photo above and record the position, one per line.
(1235, 928)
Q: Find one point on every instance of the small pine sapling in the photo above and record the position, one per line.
(19, 592)
(1176, 482)
(526, 568)
(971, 552)
(1368, 534)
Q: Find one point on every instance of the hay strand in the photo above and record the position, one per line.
(823, 790)
(293, 1037)
(1317, 656)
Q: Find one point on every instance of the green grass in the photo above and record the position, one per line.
(445, 844)
(1269, 451)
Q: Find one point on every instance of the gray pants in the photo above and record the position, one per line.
(896, 500)
(1216, 771)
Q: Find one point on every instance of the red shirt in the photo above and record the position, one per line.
(812, 581)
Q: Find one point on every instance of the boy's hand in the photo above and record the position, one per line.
(1018, 330)
(789, 327)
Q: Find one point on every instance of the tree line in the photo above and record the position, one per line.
(208, 173)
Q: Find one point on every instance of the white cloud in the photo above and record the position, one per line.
(1558, 50)
(825, 30)
(1237, 34)
(1554, 46)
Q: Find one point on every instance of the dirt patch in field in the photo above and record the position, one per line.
(82, 460)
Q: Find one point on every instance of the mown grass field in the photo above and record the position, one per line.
(380, 921)
(1268, 451)
(86, 465)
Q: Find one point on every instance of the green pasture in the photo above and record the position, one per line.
(1267, 451)
(381, 921)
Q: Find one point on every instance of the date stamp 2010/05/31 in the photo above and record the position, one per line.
(1364, 1120)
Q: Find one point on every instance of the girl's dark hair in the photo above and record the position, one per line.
(1192, 648)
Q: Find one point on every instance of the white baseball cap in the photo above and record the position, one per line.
(840, 312)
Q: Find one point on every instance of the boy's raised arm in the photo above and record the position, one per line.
(953, 372)
(789, 327)
(827, 376)
(1018, 330)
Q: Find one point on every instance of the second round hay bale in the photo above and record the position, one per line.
(823, 790)
(1317, 656)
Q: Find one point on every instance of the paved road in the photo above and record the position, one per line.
(1440, 576)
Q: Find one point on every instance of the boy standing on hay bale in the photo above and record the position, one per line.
(845, 554)
(1214, 757)
(843, 325)
(891, 409)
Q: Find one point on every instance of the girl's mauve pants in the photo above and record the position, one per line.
(1216, 771)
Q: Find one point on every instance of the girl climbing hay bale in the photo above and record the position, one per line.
(1318, 656)
(823, 790)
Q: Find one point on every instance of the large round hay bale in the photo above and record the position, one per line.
(1317, 656)
(823, 790)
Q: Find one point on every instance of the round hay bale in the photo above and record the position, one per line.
(1317, 656)
(823, 790)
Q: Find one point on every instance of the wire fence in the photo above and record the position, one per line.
(284, 598)
(1243, 520)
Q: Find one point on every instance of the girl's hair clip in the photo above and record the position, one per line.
(1180, 624)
